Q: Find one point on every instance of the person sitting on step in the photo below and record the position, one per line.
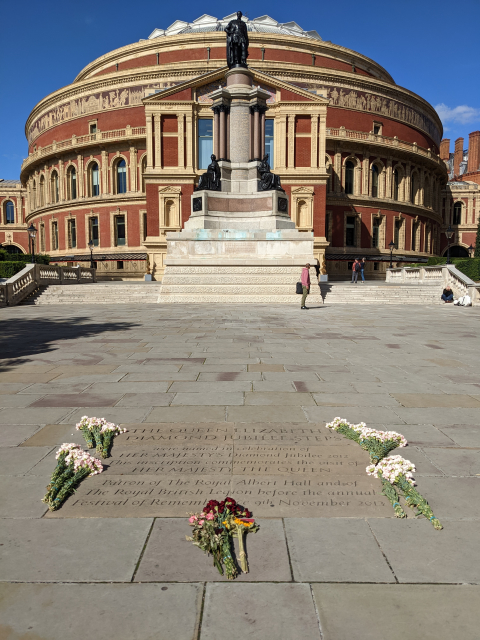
(447, 295)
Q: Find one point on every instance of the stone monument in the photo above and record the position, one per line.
(239, 244)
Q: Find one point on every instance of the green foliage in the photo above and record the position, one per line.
(470, 267)
(9, 269)
(41, 258)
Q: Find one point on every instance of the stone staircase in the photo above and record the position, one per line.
(381, 293)
(276, 286)
(98, 293)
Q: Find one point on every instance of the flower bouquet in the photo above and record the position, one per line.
(100, 433)
(391, 470)
(398, 471)
(73, 465)
(214, 528)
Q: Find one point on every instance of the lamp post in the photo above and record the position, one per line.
(471, 251)
(449, 234)
(32, 233)
(391, 246)
(90, 246)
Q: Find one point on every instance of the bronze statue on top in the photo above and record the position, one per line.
(237, 42)
(268, 180)
(211, 179)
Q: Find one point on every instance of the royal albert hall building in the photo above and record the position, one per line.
(115, 156)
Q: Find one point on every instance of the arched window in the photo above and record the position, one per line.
(413, 188)
(54, 186)
(396, 184)
(349, 176)
(143, 169)
(374, 181)
(302, 214)
(72, 183)
(42, 192)
(9, 212)
(121, 171)
(457, 213)
(94, 180)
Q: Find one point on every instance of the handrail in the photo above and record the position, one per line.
(26, 281)
(341, 132)
(442, 274)
(89, 138)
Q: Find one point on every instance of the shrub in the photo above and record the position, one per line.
(9, 269)
(41, 258)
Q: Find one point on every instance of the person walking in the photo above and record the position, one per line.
(354, 265)
(363, 263)
(305, 279)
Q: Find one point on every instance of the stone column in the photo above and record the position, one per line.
(314, 141)
(61, 181)
(181, 140)
(228, 133)
(80, 191)
(223, 133)
(408, 171)
(256, 132)
(279, 148)
(366, 173)
(322, 141)
(189, 134)
(337, 166)
(216, 132)
(421, 192)
(291, 141)
(239, 86)
(104, 172)
(133, 168)
(149, 131)
(158, 142)
(262, 137)
(388, 180)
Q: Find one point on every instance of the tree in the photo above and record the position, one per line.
(477, 242)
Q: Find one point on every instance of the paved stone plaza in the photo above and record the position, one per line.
(234, 400)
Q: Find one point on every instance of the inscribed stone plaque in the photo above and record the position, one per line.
(297, 460)
(284, 433)
(167, 434)
(180, 460)
(173, 496)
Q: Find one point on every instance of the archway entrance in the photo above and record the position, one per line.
(11, 248)
(456, 251)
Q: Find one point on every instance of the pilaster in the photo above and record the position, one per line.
(314, 141)
(149, 136)
(291, 141)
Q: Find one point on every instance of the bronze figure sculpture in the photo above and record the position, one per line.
(237, 42)
(268, 180)
(211, 179)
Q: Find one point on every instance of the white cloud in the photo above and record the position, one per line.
(463, 114)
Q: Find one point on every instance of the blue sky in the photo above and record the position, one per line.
(430, 47)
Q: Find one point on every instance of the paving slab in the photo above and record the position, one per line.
(355, 399)
(13, 387)
(463, 435)
(119, 415)
(218, 387)
(420, 434)
(272, 611)
(427, 400)
(385, 415)
(418, 553)
(335, 550)
(18, 401)
(208, 399)
(26, 378)
(181, 561)
(19, 460)
(113, 555)
(86, 399)
(33, 416)
(174, 434)
(230, 376)
(21, 497)
(145, 399)
(188, 413)
(133, 612)
(437, 415)
(13, 435)
(278, 399)
(429, 612)
(77, 377)
(287, 433)
(265, 414)
(455, 462)
(53, 434)
(453, 498)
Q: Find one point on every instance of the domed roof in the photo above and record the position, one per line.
(207, 23)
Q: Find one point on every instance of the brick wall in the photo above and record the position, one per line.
(302, 152)
(170, 152)
(445, 149)
(474, 151)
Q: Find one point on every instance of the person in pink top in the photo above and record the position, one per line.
(305, 279)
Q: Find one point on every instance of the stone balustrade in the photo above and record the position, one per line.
(341, 132)
(91, 139)
(444, 275)
(22, 284)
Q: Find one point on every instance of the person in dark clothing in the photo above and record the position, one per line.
(447, 295)
(363, 263)
(357, 272)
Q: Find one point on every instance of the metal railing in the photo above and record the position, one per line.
(26, 281)
(444, 275)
